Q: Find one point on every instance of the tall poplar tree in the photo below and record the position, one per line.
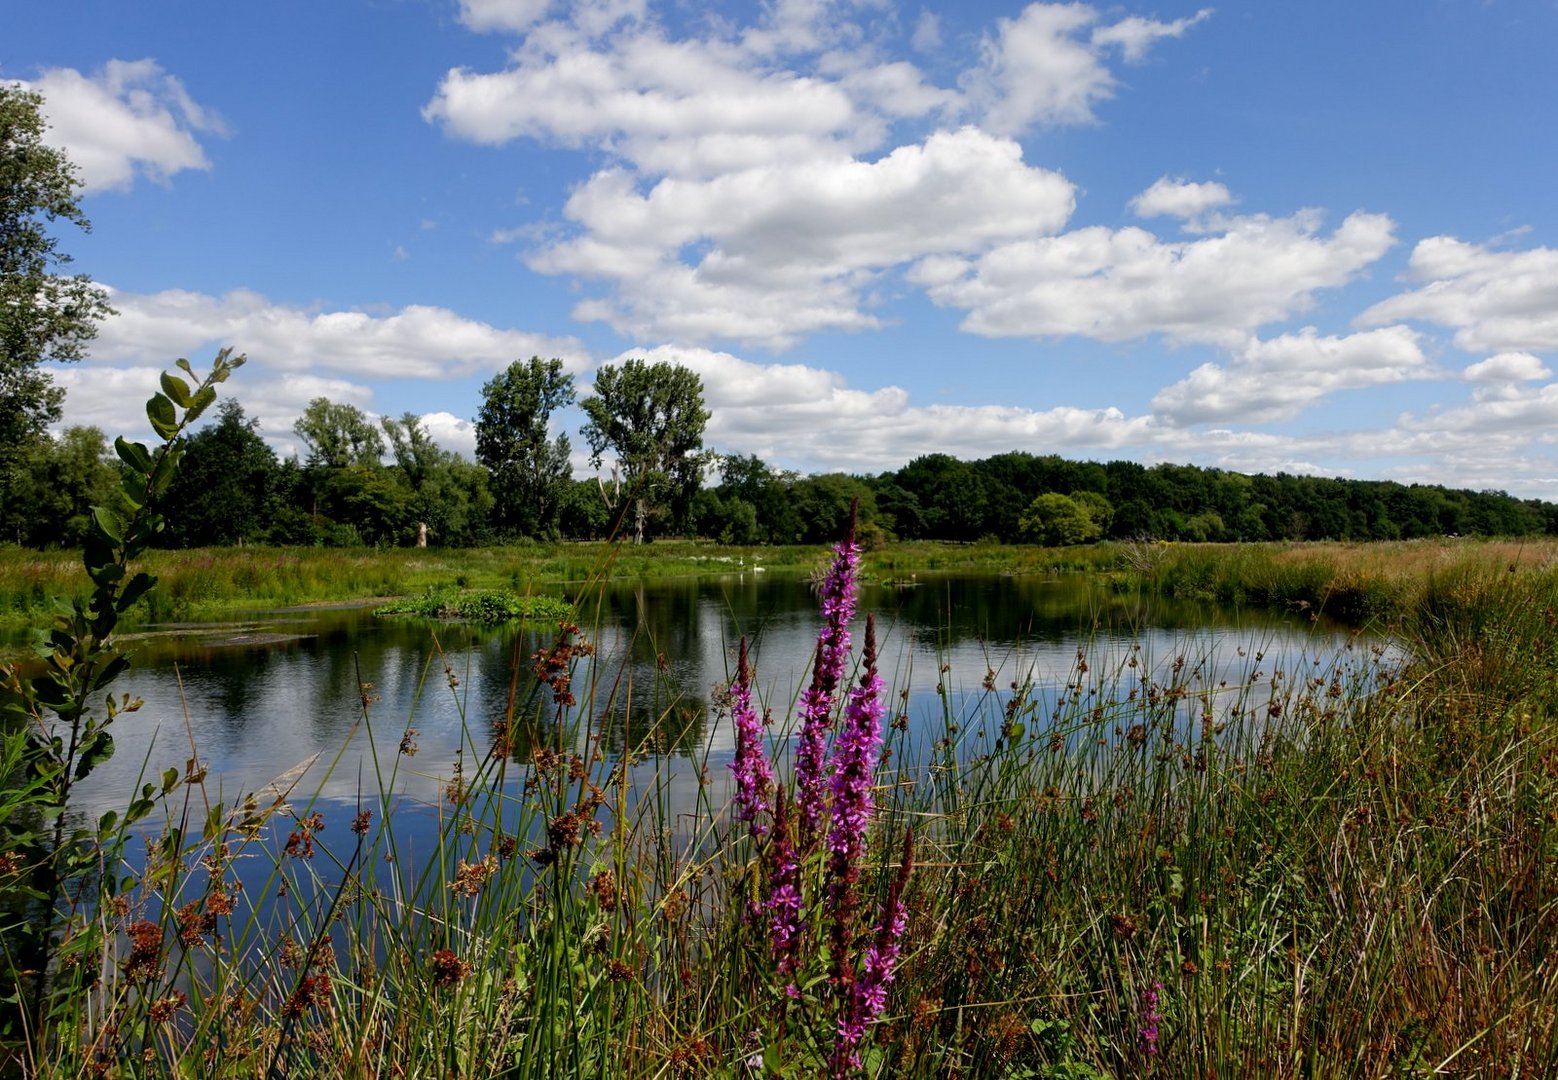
(528, 468)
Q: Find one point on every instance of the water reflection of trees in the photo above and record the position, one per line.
(948, 610)
(664, 650)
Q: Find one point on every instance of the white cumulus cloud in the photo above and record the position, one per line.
(418, 341)
(813, 419)
(512, 16)
(1278, 378)
(1047, 66)
(1114, 285)
(452, 433)
(1507, 367)
(761, 180)
(130, 119)
(1135, 35)
(766, 254)
(1495, 300)
(110, 398)
(1180, 198)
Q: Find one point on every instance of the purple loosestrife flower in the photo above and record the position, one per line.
(854, 774)
(754, 776)
(785, 903)
(868, 994)
(1150, 1018)
(838, 608)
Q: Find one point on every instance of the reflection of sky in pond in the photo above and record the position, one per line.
(256, 711)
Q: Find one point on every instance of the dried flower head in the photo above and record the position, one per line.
(312, 990)
(471, 878)
(448, 968)
(165, 1008)
(144, 962)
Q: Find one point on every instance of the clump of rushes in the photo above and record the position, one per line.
(486, 606)
(810, 885)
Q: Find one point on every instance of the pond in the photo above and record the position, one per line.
(282, 694)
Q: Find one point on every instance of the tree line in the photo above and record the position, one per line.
(386, 482)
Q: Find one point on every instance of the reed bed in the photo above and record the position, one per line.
(1348, 870)
(207, 582)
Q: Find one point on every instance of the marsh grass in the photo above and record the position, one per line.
(205, 582)
(1346, 869)
(1350, 582)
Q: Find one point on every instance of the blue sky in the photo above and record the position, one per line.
(1313, 237)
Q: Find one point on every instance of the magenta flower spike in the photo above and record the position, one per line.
(754, 775)
(1150, 1017)
(855, 751)
(785, 903)
(868, 993)
(832, 659)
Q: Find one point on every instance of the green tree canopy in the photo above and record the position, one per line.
(338, 435)
(651, 416)
(226, 482)
(55, 484)
(1054, 519)
(529, 469)
(45, 315)
(447, 493)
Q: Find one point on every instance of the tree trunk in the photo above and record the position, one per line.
(421, 534)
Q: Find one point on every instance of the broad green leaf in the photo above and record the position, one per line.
(159, 410)
(136, 588)
(111, 671)
(110, 523)
(183, 365)
(176, 388)
(163, 476)
(133, 454)
(106, 572)
(170, 780)
(201, 402)
(213, 826)
(133, 490)
(97, 749)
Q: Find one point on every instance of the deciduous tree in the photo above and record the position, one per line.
(528, 467)
(338, 435)
(45, 314)
(651, 416)
(225, 484)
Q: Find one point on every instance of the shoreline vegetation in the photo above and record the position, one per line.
(1344, 873)
(1350, 870)
(1357, 583)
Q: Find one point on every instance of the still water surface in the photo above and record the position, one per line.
(258, 699)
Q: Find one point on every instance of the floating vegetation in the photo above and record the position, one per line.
(488, 606)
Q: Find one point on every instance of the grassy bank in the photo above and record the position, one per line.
(210, 582)
(1345, 871)
(1355, 583)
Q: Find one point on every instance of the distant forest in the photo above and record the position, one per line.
(232, 488)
